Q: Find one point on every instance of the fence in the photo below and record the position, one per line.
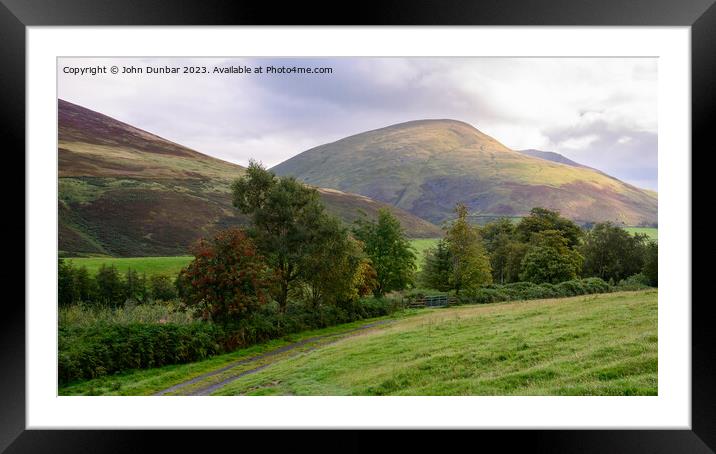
(432, 301)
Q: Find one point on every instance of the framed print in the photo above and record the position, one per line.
(238, 218)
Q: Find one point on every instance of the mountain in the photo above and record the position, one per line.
(427, 166)
(126, 192)
(550, 156)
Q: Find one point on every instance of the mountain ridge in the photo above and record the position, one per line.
(426, 166)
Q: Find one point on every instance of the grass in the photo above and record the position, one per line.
(149, 265)
(171, 266)
(594, 345)
(651, 232)
(420, 246)
(588, 345)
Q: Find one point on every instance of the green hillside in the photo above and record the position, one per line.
(427, 166)
(126, 192)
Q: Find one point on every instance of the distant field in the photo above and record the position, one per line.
(652, 232)
(172, 265)
(421, 245)
(587, 345)
(149, 265)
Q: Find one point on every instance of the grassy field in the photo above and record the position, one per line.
(149, 265)
(171, 265)
(588, 345)
(421, 245)
(651, 232)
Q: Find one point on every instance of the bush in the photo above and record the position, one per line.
(596, 285)
(483, 296)
(570, 288)
(529, 291)
(92, 351)
(638, 281)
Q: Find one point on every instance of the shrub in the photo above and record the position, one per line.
(596, 285)
(483, 296)
(637, 281)
(528, 291)
(92, 351)
(570, 288)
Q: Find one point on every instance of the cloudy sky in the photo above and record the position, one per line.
(597, 111)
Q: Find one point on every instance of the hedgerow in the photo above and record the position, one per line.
(527, 291)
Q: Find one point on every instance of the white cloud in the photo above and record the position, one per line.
(577, 143)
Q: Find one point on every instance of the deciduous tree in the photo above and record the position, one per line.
(612, 253)
(541, 219)
(389, 250)
(437, 267)
(286, 217)
(227, 278)
(470, 263)
(651, 263)
(549, 259)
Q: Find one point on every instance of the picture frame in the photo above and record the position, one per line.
(16, 15)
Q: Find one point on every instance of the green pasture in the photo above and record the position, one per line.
(587, 345)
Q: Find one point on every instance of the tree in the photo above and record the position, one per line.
(365, 280)
(438, 267)
(227, 278)
(109, 286)
(498, 237)
(65, 283)
(470, 263)
(389, 250)
(161, 287)
(516, 252)
(612, 253)
(135, 287)
(541, 219)
(549, 259)
(651, 263)
(329, 267)
(85, 286)
(286, 217)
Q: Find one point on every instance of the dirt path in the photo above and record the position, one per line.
(210, 387)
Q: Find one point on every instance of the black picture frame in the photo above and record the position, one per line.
(700, 15)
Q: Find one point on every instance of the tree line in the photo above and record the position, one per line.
(542, 248)
(293, 251)
(109, 287)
